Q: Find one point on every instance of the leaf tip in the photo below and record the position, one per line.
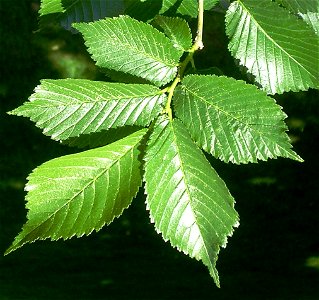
(12, 112)
(294, 156)
(299, 159)
(12, 248)
(7, 252)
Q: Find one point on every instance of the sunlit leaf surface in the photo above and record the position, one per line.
(50, 7)
(127, 45)
(69, 107)
(275, 46)
(188, 202)
(232, 120)
(75, 194)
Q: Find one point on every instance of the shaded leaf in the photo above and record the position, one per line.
(127, 45)
(90, 10)
(177, 30)
(232, 120)
(188, 202)
(166, 5)
(308, 10)
(143, 10)
(102, 138)
(117, 76)
(280, 52)
(302, 6)
(70, 11)
(208, 71)
(75, 194)
(190, 7)
(69, 107)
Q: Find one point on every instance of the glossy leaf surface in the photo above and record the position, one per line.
(127, 45)
(232, 120)
(188, 202)
(279, 51)
(75, 194)
(69, 107)
(312, 19)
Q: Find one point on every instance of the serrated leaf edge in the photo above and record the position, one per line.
(16, 245)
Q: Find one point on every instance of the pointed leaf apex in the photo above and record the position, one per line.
(188, 202)
(75, 194)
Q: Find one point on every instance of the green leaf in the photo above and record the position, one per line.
(102, 138)
(127, 45)
(232, 120)
(308, 10)
(302, 6)
(70, 11)
(117, 76)
(166, 5)
(89, 10)
(143, 10)
(190, 7)
(50, 7)
(279, 51)
(312, 19)
(78, 193)
(69, 107)
(188, 202)
(177, 30)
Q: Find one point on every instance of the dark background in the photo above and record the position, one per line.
(274, 254)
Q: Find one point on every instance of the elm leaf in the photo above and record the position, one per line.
(67, 108)
(66, 12)
(281, 51)
(308, 10)
(188, 202)
(166, 5)
(177, 30)
(190, 7)
(130, 46)
(234, 121)
(75, 194)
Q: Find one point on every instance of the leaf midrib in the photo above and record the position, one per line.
(77, 102)
(217, 108)
(252, 127)
(81, 190)
(189, 193)
(272, 40)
